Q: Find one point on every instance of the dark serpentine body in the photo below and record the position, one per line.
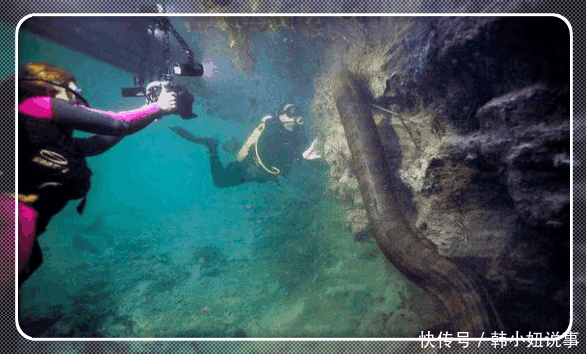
(468, 306)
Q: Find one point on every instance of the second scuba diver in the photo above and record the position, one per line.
(270, 151)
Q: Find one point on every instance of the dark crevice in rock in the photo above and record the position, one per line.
(501, 86)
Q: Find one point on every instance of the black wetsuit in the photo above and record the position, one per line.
(52, 162)
(277, 147)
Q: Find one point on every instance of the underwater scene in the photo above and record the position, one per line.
(160, 252)
(426, 190)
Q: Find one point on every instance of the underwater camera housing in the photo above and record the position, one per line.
(189, 67)
(184, 98)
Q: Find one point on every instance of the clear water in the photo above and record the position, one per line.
(160, 252)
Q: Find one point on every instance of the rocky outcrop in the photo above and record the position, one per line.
(475, 119)
(496, 194)
(504, 97)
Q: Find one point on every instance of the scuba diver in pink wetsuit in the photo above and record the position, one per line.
(52, 169)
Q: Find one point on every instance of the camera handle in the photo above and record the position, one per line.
(155, 88)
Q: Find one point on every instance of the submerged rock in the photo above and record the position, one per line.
(480, 134)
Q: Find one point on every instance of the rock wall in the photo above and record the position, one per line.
(475, 118)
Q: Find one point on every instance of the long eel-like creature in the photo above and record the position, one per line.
(468, 306)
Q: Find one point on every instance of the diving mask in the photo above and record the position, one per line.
(291, 113)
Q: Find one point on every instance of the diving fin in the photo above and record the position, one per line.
(209, 142)
(81, 206)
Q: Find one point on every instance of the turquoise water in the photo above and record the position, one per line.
(162, 253)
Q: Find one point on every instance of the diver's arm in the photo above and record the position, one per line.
(105, 123)
(96, 121)
(96, 144)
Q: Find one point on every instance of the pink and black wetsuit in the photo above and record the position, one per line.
(88, 119)
(51, 162)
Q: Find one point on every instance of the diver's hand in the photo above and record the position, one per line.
(311, 153)
(168, 102)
